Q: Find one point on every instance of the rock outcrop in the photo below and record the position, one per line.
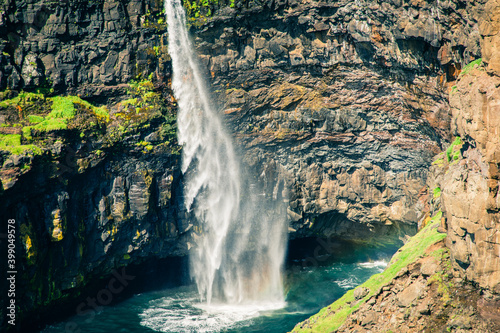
(425, 297)
(91, 190)
(88, 48)
(470, 187)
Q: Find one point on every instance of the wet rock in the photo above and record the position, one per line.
(139, 193)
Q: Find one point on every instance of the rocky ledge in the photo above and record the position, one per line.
(425, 297)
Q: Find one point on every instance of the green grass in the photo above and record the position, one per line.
(202, 8)
(35, 119)
(439, 159)
(332, 317)
(62, 110)
(51, 124)
(12, 144)
(19, 99)
(453, 151)
(98, 111)
(130, 101)
(62, 107)
(148, 146)
(467, 68)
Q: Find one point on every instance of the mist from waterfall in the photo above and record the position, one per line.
(239, 235)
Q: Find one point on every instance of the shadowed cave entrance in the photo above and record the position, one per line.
(337, 225)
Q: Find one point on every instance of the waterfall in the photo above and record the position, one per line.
(239, 236)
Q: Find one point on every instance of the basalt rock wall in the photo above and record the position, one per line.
(84, 210)
(91, 48)
(101, 194)
(341, 105)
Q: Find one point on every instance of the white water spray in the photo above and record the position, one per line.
(239, 237)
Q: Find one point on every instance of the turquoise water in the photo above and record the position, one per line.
(314, 278)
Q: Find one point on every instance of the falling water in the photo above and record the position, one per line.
(239, 238)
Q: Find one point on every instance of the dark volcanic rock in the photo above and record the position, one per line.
(81, 215)
(344, 101)
(80, 47)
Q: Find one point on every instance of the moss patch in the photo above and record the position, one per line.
(35, 119)
(144, 109)
(35, 114)
(453, 151)
(333, 316)
(202, 8)
(470, 66)
(12, 144)
(20, 99)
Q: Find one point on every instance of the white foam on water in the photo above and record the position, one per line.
(348, 283)
(374, 264)
(176, 314)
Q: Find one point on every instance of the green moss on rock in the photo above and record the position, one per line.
(470, 66)
(453, 151)
(12, 144)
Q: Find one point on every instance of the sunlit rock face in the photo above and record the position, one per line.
(471, 196)
(469, 186)
(340, 105)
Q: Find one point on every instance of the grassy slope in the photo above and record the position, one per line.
(333, 316)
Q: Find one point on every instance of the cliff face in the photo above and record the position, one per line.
(91, 48)
(470, 188)
(338, 108)
(342, 104)
(91, 188)
(454, 287)
(90, 200)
